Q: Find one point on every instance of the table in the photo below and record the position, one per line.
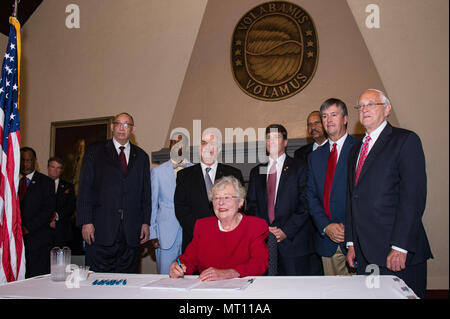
(263, 287)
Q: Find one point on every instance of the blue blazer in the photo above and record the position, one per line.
(106, 193)
(291, 214)
(317, 170)
(385, 208)
(164, 224)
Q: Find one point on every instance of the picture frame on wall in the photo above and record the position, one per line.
(68, 140)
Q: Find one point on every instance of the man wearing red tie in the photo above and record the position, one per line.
(276, 193)
(327, 187)
(114, 200)
(386, 198)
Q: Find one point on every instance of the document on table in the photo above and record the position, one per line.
(193, 283)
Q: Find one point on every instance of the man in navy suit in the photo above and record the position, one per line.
(327, 187)
(193, 183)
(114, 200)
(65, 203)
(386, 198)
(316, 132)
(37, 204)
(165, 230)
(277, 193)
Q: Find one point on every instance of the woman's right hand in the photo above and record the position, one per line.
(176, 271)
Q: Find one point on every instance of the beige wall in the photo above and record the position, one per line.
(167, 63)
(210, 93)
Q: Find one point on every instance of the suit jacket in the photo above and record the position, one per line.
(385, 208)
(106, 195)
(191, 199)
(317, 171)
(65, 207)
(164, 224)
(291, 214)
(303, 152)
(36, 209)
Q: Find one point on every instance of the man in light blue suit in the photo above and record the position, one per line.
(165, 230)
(327, 187)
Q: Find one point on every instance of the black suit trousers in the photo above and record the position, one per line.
(117, 258)
(415, 276)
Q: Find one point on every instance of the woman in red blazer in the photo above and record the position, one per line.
(228, 245)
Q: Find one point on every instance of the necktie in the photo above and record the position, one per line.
(208, 181)
(362, 157)
(123, 159)
(331, 167)
(24, 181)
(271, 188)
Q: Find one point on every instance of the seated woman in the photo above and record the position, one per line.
(228, 245)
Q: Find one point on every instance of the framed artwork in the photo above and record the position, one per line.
(68, 140)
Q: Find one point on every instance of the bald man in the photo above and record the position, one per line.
(387, 196)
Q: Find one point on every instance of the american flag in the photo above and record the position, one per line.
(12, 253)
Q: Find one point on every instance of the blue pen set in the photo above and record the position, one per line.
(111, 282)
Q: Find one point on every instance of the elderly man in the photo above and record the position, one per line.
(193, 184)
(386, 198)
(327, 187)
(114, 200)
(316, 132)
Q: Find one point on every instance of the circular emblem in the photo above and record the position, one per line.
(274, 51)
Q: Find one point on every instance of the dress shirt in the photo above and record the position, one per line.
(315, 145)
(56, 184)
(178, 168)
(212, 172)
(280, 163)
(29, 176)
(126, 150)
(373, 138)
(339, 144)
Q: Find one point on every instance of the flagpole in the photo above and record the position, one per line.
(15, 5)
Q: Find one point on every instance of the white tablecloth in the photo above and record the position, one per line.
(326, 287)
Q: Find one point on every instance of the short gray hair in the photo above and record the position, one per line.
(224, 182)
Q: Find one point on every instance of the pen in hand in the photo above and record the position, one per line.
(179, 264)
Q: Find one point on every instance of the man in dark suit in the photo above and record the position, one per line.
(386, 199)
(277, 193)
(114, 200)
(37, 204)
(327, 187)
(316, 132)
(193, 183)
(65, 203)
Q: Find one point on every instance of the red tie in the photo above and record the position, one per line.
(22, 188)
(362, 157)
(123, 159)
(271, 188)
(331, 167)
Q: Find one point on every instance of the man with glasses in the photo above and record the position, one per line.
(386, 198)
(114, 200)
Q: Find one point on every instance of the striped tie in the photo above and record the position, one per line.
(362, 157)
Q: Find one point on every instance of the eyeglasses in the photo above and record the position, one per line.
(369, 105)
(125, 125)
(225, 198)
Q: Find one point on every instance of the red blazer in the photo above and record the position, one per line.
(243, 249)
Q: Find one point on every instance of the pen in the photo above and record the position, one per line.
(179, 264)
